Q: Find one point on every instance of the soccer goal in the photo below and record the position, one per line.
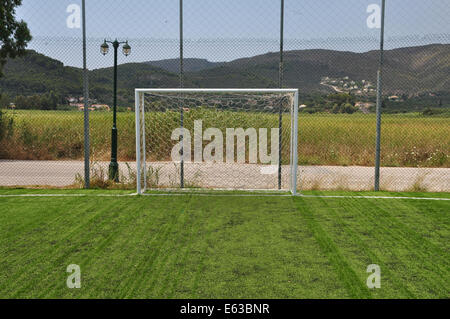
(228, 139)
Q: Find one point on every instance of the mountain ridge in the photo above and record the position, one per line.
(408, 70)
(189, 64)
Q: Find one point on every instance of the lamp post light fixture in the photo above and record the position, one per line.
(126, 50)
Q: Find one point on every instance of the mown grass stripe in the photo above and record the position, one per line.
(153, 261)
(356, 241)
(348, 277)
(50, 253)
(32, 239)
(413, 242)
(117, 215)
(171, 280)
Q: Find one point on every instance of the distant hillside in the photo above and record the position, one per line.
(189, 64)
(229, 77)
(37, 73)
(129, 77)
(407, 71)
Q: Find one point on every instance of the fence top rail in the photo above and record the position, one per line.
(187, 90)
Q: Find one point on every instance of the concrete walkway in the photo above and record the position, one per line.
(247, 176)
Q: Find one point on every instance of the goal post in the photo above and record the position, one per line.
(230, 139)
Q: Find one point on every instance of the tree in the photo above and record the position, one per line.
(6, 126)
(14, 35)
(348, 108)
(4, 101)
(336, 108)
(428, 111)
(21, 102)
(341, 98)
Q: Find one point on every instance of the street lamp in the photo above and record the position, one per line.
(126, 50)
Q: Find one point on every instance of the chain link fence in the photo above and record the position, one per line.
(330, 53)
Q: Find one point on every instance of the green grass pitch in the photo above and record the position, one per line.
(213, 246)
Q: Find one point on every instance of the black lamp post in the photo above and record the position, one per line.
(114, 166)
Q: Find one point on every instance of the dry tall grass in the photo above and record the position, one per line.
(324, 139)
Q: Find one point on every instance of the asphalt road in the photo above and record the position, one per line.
(247, 176)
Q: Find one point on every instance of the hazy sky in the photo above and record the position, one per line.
(220, 29)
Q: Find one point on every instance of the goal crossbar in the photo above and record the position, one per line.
(195, 90)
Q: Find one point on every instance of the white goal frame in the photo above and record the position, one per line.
(139, 98)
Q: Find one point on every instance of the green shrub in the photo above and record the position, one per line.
(348, 108)
(6, 125)
(428, 111)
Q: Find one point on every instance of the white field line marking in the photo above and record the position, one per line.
(371, 197)
(68, 195)
(223, 195)
(202, 190)
(155, 194)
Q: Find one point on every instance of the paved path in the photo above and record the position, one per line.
(62, 173)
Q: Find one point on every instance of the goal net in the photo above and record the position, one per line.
(231, 139)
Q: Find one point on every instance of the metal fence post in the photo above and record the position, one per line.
(379, 101)
(137, 107)
(181, 102)
(280, 84)
(86, 104)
